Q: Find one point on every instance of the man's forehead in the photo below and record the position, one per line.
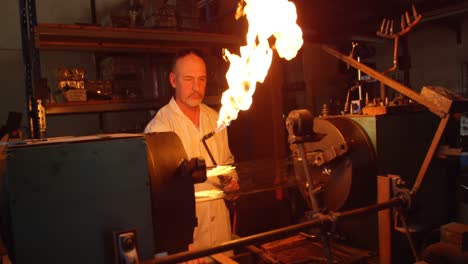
(190, 57)
(193, 69)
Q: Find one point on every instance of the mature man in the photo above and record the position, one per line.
(190, 119)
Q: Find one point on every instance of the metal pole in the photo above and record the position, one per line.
(274, 234)
(310, 185)
(27, 9)
(359, 76)
(430, 154)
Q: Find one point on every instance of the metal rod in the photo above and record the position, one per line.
(32, 65)
(310, 185)
(386, 80)
(209, 153)
(326, 246)
(409, 238)
(274, 234)
(395, 57)
(372, 208)
(359, 79)
(430, 154)
(207, 136)
(93, 12)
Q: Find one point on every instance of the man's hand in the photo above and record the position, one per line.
(232, 186)
(228, 184)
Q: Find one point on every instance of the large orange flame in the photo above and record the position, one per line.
(266, 18)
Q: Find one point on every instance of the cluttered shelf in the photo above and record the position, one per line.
(95, 38)
(98, 106)
(114, 66)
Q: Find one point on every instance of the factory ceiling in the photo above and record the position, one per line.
(333, 20)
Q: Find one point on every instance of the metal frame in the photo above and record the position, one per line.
(323, 222)
(443, 110)
(32, 65)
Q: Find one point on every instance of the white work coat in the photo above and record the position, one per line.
(214, 225)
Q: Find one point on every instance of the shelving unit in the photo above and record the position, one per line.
(101, 106)
(32, 73)
(266, 114)
(88, 38)
(93, 38)
(113, 106)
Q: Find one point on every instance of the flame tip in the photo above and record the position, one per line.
(255, 58)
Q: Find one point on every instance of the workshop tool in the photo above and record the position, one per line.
(388, 31)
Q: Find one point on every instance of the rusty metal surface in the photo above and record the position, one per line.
(446, 100)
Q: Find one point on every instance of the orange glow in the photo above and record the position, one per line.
(266, 18)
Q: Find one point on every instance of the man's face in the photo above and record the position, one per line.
(189, 80)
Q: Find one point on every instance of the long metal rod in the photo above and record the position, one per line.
(93, 12)
(409, 238)
(395, 57)
(386, 80)
(275, 234)
(310, 185)
(27, 9)
(209, 153)
(359, 77)
(430, 154)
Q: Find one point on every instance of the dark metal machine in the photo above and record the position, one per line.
(67, 199)
(74, 196)
(335, 167)
(172, 177)
(337, 161)
(75, 193)
(341, 161)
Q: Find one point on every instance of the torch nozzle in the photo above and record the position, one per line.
(207, 136)
(212, 133)
(204, 138)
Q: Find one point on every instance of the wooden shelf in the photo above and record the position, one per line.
(110, 39)
(114, 106)
(94, 38)
(102, 106)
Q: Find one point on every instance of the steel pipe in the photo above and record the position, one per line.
(277, 233)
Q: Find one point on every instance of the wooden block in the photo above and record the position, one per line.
(445, 99)
(375, 110)
(393, 109)
(455, 234)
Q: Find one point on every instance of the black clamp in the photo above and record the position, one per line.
(194, 168)
(400, 190)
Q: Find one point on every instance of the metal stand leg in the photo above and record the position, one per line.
(28, 21)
